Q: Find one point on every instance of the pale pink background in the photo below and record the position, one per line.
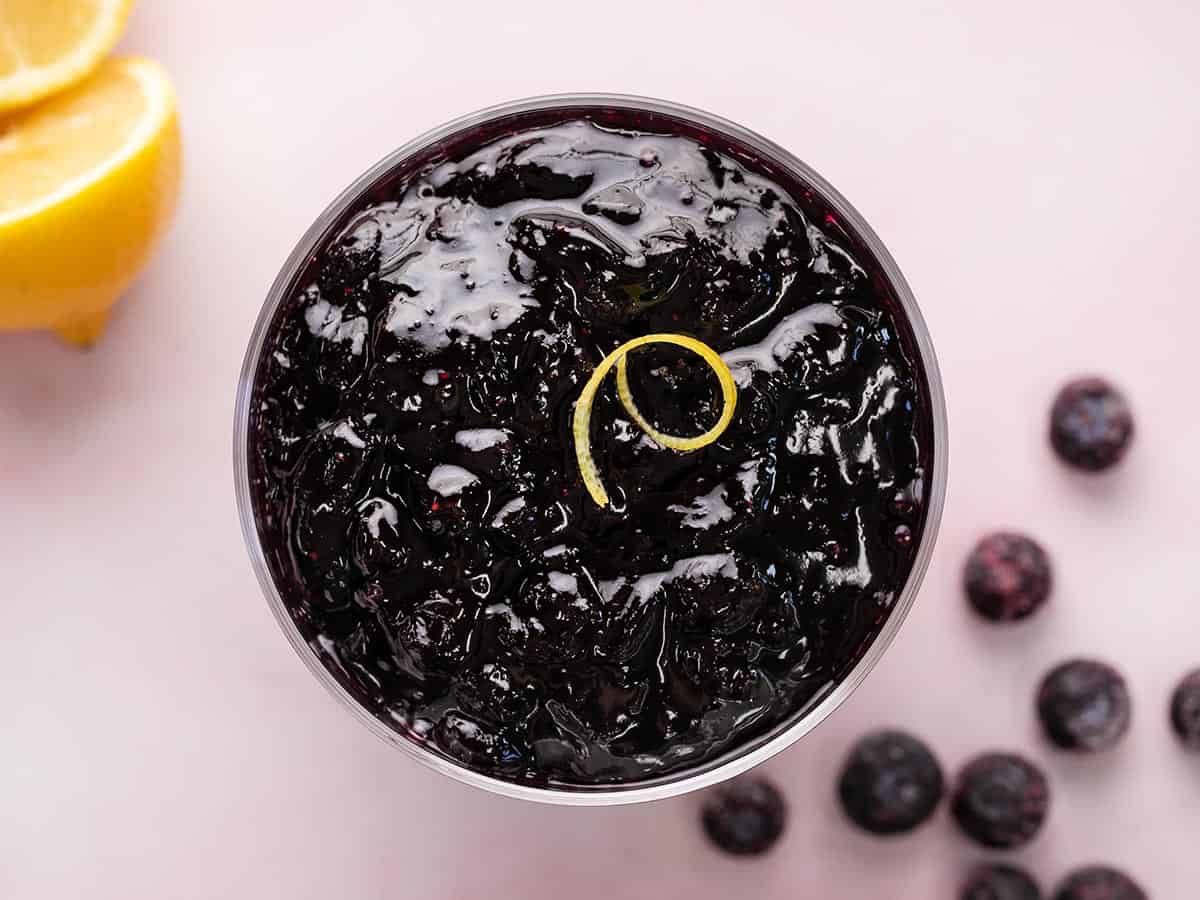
(1032, 166)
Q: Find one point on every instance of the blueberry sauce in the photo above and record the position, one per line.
(413, 468)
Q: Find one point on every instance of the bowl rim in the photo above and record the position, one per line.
(739, 759)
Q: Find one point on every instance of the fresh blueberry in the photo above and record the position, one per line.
(1090, 424)
(1099, 883)
(1185, 710)
(1007, 577)
(745, 817)
(1000, 800)
(1000, 882)
(1084, 706)
(890, 783)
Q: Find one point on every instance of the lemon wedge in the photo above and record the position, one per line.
(581, 424)
(47, 45)
(89, 180)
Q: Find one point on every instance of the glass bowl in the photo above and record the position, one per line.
(752, 752)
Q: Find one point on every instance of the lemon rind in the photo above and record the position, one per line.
(581, 423)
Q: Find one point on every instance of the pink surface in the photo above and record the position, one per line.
(1032, 168)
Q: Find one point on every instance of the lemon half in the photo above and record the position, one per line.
(89, 180)
(47, 45)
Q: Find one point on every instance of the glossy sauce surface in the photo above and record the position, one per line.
(415, 477)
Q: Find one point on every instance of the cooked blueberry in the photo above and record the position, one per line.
(434, 634)
(1007, 577)
(745, 817)
(332, 464)
(1090, 424)
(552, 620)
(1000, 800)
(378, 542)
(629, 622)
(1000, 882)
(1084, 705)
(890, 783)
(1185, 710)
(1099, 883)
(610, 704)
(494, 693)
(718, 666)
(713, 601)
(474, 743)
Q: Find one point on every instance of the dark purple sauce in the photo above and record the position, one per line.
(413, 466)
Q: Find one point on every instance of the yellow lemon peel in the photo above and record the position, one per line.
(581, 425)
